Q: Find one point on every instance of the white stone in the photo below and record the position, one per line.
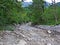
(49, 31)
(49, 44)
(22, 42)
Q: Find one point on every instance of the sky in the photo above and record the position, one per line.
(45, 0)
(28, 1)
(51, 2)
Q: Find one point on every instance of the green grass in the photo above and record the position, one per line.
(9, 27)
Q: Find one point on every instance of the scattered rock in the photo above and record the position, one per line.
(22, 42)
(27, 35)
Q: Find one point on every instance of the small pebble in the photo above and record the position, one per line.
(49, 31)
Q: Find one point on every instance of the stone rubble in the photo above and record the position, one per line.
(27, 35)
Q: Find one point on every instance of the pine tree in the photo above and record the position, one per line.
(37, 9)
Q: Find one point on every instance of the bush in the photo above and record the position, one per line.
(10, 12)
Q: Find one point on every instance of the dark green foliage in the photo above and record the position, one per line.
(10, 11)
(37, 9)
(49, 15)
(41, 15)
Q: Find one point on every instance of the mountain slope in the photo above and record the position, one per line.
(46, 4)
(26, 4)
(58, 4)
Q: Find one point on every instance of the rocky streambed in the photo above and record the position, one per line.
(27, 35)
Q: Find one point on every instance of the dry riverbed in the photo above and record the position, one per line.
(27, 35)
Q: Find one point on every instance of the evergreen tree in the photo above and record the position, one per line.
(37, 9)
(10, 11)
